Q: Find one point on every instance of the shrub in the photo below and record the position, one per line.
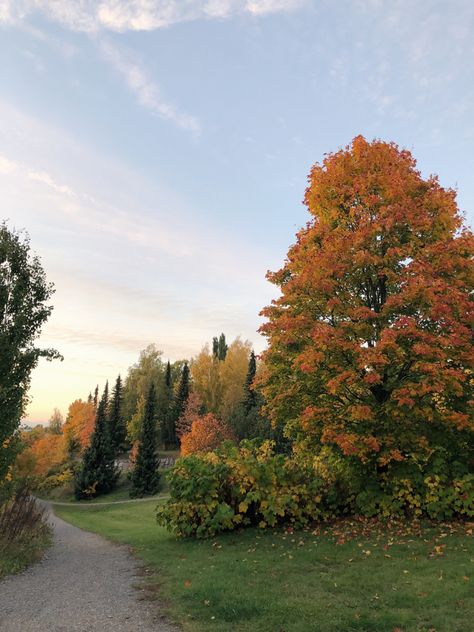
(207, 433)
(241, 486)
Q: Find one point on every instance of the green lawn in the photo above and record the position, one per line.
(274, 581)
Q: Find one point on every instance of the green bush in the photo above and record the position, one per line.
(241, 486)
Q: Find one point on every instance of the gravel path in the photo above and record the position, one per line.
(84, 584)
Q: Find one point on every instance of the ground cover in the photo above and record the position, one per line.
(349, 576)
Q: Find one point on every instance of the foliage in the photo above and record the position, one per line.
(193, 409)
(56, 422)
(220, 382)
(370, 342)
(145, 476)
(98, 474)
(46, 453)
(178, 407)
(79, 426)
(206, 434)
(24, 308)
(240, 486)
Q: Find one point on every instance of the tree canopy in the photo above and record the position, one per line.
(370, 342)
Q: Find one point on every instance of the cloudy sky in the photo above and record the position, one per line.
(157, 151)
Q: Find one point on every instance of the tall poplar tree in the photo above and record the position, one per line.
(98, 474)
(145, 475)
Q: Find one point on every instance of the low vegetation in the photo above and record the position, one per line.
(24, 533)
(351, 575)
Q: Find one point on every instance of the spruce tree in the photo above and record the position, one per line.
(145, 475)
(164, 406)
(215, 347)
(250, 397)
(222, 348)
(118, 430)
(96, 396)
(98, 474)
(179, 404)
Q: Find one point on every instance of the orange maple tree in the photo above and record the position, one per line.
(370, 343)
(207, 433)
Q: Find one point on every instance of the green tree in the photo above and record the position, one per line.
(98, 474)
(164, 407)
(56, 422)
(179, 405)
(24, 308)
(250, 397)
(118, 430)
(222, 348)
(145, 476)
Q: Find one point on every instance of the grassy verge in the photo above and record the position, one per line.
(17, 555)
(377, 580)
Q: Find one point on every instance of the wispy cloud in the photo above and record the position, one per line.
(137, 15)
(146, 90)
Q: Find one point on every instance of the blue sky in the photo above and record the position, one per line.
(157, 152)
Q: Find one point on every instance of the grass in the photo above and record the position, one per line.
(121, 492)
(294, 582)
(17, 555)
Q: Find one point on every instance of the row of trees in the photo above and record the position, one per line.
(188, 405)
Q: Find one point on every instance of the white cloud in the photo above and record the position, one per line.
(137, 15)
(45, 178)
(7, 166)
(146, 90)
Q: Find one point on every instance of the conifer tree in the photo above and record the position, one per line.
(179, 404)
(145, 476)
(215, 347)
(118, 430)
(96, 396)
(250, 397)
(164, 407)
(98, 474)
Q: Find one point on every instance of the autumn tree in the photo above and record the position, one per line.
(220, 383)
(56, 422)
(118, 430)
(24, 308)
(193, 409)
(79, 426)
(145, 476)
(370, 342)
(98, 474)
(207, 433)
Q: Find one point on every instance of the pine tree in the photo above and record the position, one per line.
(222, 348)
(215, 347)
(96, 396)
(179, 404)
(98, 474)
(118, 430)
(145, 475)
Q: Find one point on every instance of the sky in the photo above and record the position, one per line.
(157, 152)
